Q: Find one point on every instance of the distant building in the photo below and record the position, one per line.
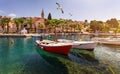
(36, 25)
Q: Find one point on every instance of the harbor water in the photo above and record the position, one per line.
(23, 56)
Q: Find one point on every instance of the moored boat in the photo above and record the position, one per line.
(54, 47)
(108, 41)
(36, 35)
(88, 45)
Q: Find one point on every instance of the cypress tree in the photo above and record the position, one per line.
(49, 16)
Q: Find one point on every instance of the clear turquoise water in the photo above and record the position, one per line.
(24, 57)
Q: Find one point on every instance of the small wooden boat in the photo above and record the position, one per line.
(89, 45)
(54, 47)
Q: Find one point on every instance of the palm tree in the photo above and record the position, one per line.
(69, 25)
(79, 26)
(5, 22)
(22, 21)
(30, 22)
(16, 21)
(55, 24)
(2, 23)
(62, 24)
(47, 24)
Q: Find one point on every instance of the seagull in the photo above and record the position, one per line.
(70, 14)
(60, 8)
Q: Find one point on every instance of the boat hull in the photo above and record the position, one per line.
(88, 46)
(58, 49)
(65, 49)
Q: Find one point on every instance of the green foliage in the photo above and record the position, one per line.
(96, 25)
(5, 22)
(47, 22)
(49, 16)
(30, 22)
(41, 26)
(113, 23)
(16, 21)
(66, 25)
(118, 30)
(79, 27)
(106, 27)
(54, 22)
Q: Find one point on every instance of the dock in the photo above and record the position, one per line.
(15, 35)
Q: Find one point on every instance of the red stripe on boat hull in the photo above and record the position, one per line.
(57, 49)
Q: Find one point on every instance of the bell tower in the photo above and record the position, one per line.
(42, 14)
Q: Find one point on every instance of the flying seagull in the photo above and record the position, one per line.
(70, 14)
(59, 7)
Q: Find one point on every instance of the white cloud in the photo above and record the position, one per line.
(12, 15)
(1, 12)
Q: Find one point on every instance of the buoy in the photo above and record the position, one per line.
(11, 41)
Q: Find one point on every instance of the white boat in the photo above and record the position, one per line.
(39, 35)
(108, 41)
(36, 35)
(88, 45)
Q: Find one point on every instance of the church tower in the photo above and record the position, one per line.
(42, 14)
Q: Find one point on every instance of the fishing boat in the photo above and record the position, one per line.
(86, 45)
(55, 46)
(52, 46)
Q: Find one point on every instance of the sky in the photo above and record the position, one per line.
(79, 10)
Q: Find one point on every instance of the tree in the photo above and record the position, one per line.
(22, 21)
(85, 23)
(96, 25)
(55, 23)
(79, 26)
(105, 27)
(68, 25)
(2, 23)
(30, 22)
(16, 21)
(5, 22)
(113, 24)
(62, 24)
(47, 22)
(49, 16)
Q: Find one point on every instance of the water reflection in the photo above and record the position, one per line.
(109, 55)
(54, 62)
(74, 63)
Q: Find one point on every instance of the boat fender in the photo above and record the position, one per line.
(42, 47)
(80, 39)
